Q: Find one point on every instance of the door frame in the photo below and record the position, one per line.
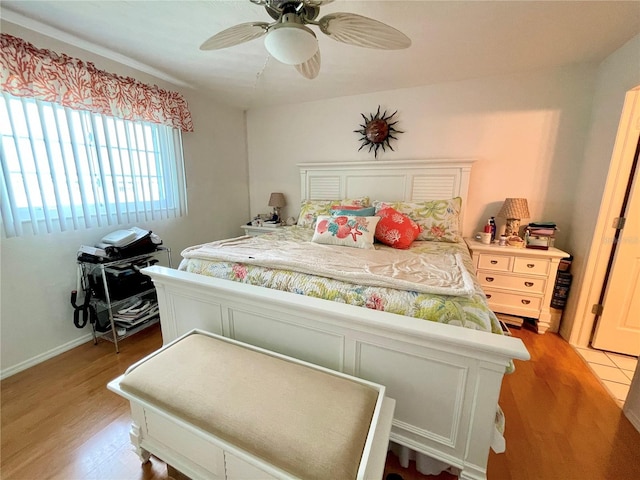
(607, 332)
(610, 206)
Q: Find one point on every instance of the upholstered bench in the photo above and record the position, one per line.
(216, 408)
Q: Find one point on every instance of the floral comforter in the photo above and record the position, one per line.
(469, 311)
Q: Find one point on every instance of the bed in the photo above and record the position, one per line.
(445, 379)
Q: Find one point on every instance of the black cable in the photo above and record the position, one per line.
(88, 312)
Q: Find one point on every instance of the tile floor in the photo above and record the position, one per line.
(614, 371)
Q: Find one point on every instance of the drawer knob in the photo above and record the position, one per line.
(493, 262)
(488, 295)
(489, 279)
(526, 302)
(528, 284)
(531, 265)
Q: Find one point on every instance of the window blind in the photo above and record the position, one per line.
(64, 169)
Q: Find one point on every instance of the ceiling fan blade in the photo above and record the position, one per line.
(235, 35)
(362, 31)
(311, 3)
(311, 67)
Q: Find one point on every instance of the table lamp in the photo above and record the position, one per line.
(514, 209)
(277, 201)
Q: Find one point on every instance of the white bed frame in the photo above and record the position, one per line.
(446, 379)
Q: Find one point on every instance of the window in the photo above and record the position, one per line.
(63, 169)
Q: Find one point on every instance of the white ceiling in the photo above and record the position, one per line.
(451, 41)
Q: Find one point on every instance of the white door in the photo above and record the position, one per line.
(618, 328)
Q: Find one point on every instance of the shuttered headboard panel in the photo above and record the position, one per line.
(408, 180)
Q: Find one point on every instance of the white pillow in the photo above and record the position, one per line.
(346, 230)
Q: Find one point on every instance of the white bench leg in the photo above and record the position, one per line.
(135, 434)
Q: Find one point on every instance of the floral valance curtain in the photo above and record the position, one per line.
(45, 75)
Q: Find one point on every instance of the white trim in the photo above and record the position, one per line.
(612, 197)
(44, 356)
(39, 27)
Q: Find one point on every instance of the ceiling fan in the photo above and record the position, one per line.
(290, 41)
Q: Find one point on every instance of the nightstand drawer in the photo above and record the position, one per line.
(254, 231)
(500, 263)
(517, 304)
(525, 285)
(534, 266)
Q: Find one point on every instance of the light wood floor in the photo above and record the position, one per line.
(60, 422)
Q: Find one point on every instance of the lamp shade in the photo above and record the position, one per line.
(291, 43)
(514, 208)
(277, 200)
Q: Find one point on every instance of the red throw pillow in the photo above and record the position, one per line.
(396, 229)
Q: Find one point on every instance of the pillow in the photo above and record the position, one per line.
(439, 219)
(346, 207)
(396, 229)
(310, 209)
(351, 210)
(346, 230)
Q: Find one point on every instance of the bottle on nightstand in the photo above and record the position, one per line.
(492, 222)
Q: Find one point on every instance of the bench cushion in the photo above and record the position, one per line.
(307, 422)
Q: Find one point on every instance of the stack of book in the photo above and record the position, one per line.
(563, 284)
(139, 312)
(561, 290)
(540, 235)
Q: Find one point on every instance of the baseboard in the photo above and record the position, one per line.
(7, 372)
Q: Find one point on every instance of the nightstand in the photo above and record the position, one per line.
(519, 281)
(255, 231)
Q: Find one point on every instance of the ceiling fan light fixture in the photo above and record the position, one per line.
(291, 43)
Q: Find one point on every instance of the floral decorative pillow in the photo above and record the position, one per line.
(346, 230)
(439, 219)
(310, 209)
(352, 210)
(396, 229)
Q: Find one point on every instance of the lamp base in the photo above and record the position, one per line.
(512, 227)
(275, 217)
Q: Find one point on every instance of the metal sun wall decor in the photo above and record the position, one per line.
(377, 131)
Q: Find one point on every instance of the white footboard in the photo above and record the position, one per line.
(445, 379)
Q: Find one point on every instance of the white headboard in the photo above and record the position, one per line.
(408, 180)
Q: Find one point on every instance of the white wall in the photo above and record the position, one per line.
(38, 273)
(619, 73)
(527, 131)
